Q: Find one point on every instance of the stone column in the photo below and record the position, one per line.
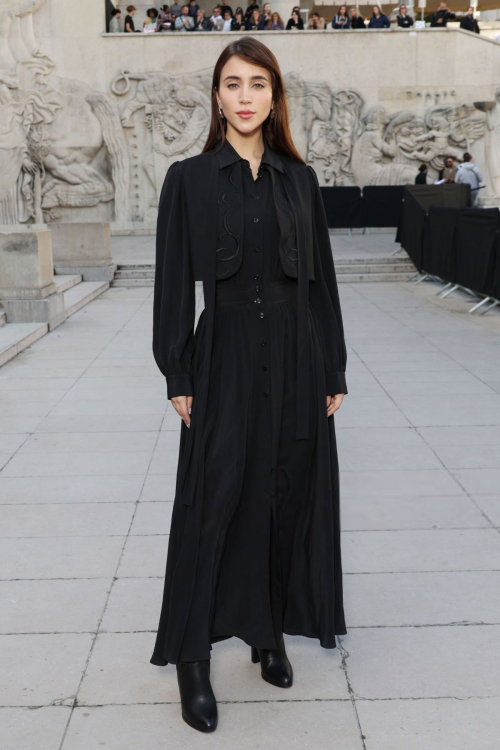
(83, 248)
(28, 292)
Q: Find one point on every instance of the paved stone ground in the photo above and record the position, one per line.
(88, 447)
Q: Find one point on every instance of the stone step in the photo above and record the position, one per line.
(373, 262)
(379, 268)
(144, 282)
(137, 274)
(135, 266)
(14, 337)
(82, 294)
(354, 278)
(64, 282)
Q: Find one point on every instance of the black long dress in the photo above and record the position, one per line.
(269, 557)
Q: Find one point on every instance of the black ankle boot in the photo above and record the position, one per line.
(199, 708)
(275, 666)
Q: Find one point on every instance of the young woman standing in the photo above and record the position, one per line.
(254, 548)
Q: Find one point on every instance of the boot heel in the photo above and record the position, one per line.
(255, 655)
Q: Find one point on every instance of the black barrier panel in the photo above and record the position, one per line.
(382, 205)
(343, 207)
(450, 195)
(411, 233)
(475, 248)
(496, 270)
(440, 242)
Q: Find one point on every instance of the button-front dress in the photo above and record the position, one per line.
(268, 558)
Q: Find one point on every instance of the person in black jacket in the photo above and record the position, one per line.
(356, 21)
(295, 22)
(441, 16)
(469, 23)
(404, 21)
(421, 178)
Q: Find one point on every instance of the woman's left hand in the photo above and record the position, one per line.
(333, 403)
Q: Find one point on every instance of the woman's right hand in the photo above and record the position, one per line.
(182, 405)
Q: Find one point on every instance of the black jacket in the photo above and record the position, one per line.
(357, 23)
(446, 15)
(469, 24)
(189, 214)
(404, 21)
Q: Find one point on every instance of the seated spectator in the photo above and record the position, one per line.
(228, 21)
(216, 19)
(175, 10)
(114, 25)
(277, 23)
(254, 23)
(150, 22)
(223, 9)
(341, 19)
(164, 22)
(378, 20)
(449, 170)
(239, 23)
(201, 22)
(295, 22)
(128, 25)
(356, 21)
(421, 178)
(404, 21)
(184, 22)
(469, 23)
(193, 8)
(469, 174)
(441, 16)
(316, 21)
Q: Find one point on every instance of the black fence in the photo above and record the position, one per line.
(356, 208)
(445, 238)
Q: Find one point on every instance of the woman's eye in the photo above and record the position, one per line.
(230, 85)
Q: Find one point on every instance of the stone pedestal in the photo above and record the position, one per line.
(84, 248)
(28, 292)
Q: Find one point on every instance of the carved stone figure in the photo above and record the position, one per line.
(492, 142)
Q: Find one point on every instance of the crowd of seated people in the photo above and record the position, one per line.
(190, 17)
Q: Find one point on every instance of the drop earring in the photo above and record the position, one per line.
(221, 113)
(271, 113)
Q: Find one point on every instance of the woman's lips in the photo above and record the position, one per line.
(245, 115)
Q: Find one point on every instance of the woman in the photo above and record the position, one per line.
(238, 21)
(276, 22)
(341, 19)
(150, 23)
(295, 22)
(421, 178)
(164, 22)
(355, 21)
(378, 19)
(128, 25)
(254, 546)
(254, 23)
(404, 20)
(469, 23)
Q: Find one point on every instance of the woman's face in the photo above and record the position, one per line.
(244, 88)
(255, 16)
(266, 8)
(376, 10)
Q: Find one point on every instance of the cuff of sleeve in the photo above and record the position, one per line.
(335, 383)
(179, 385)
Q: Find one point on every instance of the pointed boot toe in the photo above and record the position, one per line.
(199, 707)
(275, 666)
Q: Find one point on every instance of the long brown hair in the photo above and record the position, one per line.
(276, 129)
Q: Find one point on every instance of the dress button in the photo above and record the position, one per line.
(266, 393)
(257, 197)
(256, 276)
(263, 342)
(255, 220)
(257, 288)
(261, 315)
(257, 249)
(264, 367)
(258, 300)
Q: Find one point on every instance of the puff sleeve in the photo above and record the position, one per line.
(324, 297)
(174, 288)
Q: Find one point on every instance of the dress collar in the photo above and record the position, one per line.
(228, 155)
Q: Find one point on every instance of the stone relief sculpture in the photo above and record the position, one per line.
(492, 141)
(61, 145)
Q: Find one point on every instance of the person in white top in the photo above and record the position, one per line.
(469, 174)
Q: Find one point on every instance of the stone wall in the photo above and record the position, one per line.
(90, 122)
